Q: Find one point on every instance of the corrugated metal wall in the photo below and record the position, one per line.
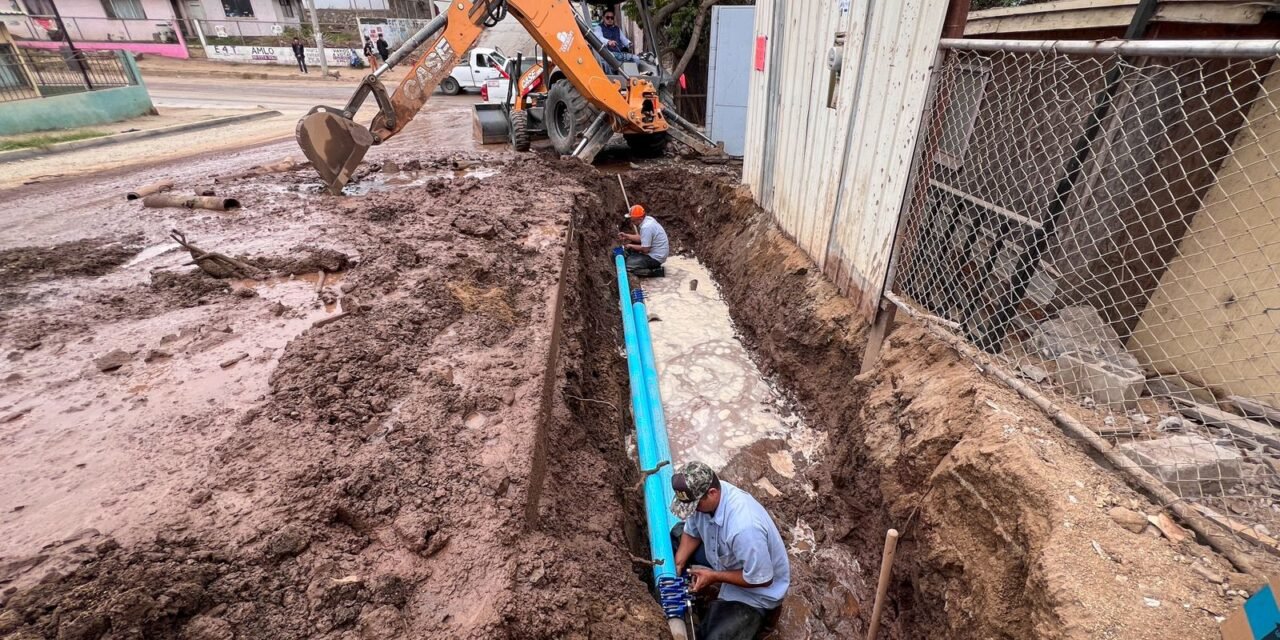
(834, 178)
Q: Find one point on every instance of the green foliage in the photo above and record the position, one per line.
(43, 140)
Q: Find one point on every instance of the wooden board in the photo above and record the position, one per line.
(1259, 431)
(1255, 408)
(1239, 528)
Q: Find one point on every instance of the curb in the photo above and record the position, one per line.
(76, 145)
(235, 75)
(253, 75)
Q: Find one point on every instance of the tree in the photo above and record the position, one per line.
(679, 25)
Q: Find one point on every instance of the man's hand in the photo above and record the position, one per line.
(702, 578)
(613, 43)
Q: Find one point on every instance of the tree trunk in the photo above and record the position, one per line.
(695, 38)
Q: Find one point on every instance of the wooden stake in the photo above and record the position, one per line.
(886, 572)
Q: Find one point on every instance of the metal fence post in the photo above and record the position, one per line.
(200, 34)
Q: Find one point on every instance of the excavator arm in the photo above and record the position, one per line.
(335, 144)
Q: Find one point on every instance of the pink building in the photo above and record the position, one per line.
(157, 27)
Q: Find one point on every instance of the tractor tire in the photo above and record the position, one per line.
(520, 130)
(450, 86)
(647, 145)
(568, 116)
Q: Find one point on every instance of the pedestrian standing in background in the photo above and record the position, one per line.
(383, 49)
(368, 53)
(300, 53)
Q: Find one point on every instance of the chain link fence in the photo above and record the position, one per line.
(1103, 221)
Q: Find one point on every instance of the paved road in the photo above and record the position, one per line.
(290, 98)
(245, 94)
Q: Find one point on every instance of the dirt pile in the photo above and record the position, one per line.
(411, 468)
(88, 257)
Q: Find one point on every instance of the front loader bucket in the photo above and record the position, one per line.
(335, 145)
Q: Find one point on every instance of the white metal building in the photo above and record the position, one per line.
(829, 146)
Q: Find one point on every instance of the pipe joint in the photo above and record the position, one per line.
(617, 251)
(637, 295)
(673, 594)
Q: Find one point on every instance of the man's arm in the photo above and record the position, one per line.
(757, 565)
(688, 544)
(629, 237)
(624, 40)
(703, 578)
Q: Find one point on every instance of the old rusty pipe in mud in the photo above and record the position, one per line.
(212, 203)
(153, 188)
(882, 588)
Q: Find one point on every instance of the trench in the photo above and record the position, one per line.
(774, 402)
(724, 402)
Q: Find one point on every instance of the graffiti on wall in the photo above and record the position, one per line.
(280, 55)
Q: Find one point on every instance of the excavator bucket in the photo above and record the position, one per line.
(335, 145)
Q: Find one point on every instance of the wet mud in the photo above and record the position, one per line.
(87, 257)
(370, 453)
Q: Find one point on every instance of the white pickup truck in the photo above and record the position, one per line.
(478, 67)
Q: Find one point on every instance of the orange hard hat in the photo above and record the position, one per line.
(637, 211)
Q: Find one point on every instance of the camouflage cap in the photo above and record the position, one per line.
(691, 482)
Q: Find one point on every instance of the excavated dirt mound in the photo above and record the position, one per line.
(88, 257)
(412, 469)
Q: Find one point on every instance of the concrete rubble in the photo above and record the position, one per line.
(1189, 465)
(1091, 360)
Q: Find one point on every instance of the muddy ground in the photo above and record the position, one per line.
(358, 451)
(411, 425)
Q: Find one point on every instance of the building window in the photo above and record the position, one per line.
(124, 9)
(237, 8)
(39, 7)
(963, 100)
(286, 8)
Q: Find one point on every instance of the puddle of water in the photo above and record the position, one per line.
(716, 401)
(387, 181)
(297, 290)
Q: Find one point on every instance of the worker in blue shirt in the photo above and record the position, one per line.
(731, 542)
(614, 39)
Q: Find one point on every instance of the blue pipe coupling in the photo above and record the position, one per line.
(673, 594)
(637, 296)
(617, 251)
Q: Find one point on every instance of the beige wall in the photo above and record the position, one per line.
(1208, 320)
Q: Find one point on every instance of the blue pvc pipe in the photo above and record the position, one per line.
(655, 504)
(657, 417)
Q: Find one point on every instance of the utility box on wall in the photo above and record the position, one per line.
(727, 76)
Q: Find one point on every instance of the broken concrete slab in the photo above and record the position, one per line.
(1110, 386)
(1187, 464)
(1080, 330)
